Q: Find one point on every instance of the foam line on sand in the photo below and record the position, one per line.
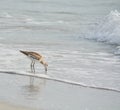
(45, 76)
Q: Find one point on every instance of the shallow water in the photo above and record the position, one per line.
(79, 39)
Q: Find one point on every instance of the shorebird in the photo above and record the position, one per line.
(34, 56)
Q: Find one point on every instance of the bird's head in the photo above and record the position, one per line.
(45, 64)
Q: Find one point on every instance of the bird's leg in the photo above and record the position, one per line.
(33, 67)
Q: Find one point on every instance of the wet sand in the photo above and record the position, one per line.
(6, 106)
(45, 94)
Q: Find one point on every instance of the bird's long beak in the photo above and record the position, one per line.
(45, 65)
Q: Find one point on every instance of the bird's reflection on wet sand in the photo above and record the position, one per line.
(34, 88)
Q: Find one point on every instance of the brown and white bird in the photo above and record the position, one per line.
(34, 56)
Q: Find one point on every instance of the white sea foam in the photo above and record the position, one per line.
(107, 30)
(35, 22)
(5, 15)
(117, 51)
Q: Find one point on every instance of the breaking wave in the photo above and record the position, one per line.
(107, 30)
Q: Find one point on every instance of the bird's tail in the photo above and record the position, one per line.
(24, 52)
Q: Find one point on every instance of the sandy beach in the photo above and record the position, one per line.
(6, 106)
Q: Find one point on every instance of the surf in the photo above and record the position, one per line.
(107, 29)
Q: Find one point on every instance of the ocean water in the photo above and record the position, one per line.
(79, 39)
